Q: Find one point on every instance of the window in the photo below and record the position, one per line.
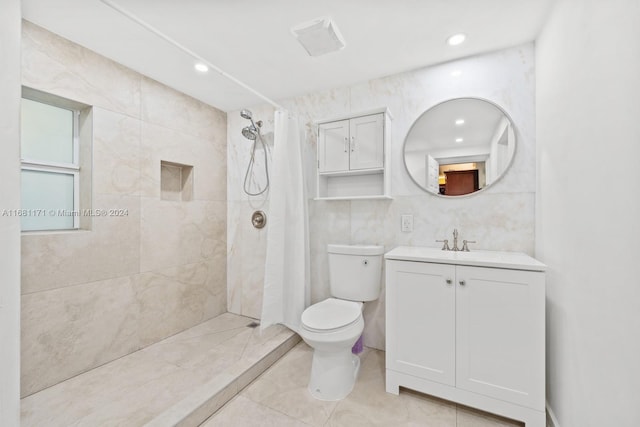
(50, 147)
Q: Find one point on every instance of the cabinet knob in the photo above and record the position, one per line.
(353, 144)
(462, 282)
(449, 281)
(346, 143)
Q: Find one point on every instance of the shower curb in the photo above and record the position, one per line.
(204, 401)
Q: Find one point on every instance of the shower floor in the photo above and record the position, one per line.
(182, 379)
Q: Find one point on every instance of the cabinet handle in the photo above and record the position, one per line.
(448, 281)
(353, 144)
(346, 141)
(462, 282)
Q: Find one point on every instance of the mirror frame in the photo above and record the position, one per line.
(502, 175)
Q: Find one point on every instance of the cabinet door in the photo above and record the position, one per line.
(433, 175)
(420, 329)
(367, 142)
(500, 334)
(333, 146)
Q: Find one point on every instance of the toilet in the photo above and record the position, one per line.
(331, 327)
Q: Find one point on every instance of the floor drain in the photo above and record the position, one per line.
(253, 325)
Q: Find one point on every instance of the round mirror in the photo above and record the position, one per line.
(459, 146)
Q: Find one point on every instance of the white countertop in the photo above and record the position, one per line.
(498, 259)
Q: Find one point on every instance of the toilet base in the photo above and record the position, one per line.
(333, 374)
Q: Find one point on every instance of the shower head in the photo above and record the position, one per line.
(249, 132)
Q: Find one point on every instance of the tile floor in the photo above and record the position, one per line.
(155, 385)
(279, 398)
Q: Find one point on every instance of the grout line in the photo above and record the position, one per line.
(333, 411)
(269, 408)
(455, 414)
(246, 344)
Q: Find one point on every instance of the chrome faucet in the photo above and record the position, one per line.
(455, 248)
(455, 240)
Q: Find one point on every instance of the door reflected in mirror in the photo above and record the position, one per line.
(459, 147)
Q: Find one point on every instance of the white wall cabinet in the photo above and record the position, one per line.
(468, 327)
(353, 144)
(353, 159)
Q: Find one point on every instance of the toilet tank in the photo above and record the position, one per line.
(355, 271)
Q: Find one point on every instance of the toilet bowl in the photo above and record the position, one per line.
(331, 327)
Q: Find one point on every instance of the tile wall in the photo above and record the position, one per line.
(500, 218)
(91, 296)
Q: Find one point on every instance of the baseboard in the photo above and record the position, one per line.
(552, 420)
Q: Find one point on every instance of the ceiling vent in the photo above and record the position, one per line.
(319, 36)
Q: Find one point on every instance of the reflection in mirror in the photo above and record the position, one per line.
(459, 146)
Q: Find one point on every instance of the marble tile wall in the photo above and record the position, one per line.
(91, 296)
(499, 218)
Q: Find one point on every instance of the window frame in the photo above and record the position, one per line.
(61, 168)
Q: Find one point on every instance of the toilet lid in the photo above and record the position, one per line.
(331, 314)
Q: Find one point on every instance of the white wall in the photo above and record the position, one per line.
(588, 215)
(500, 218)
(9, 226)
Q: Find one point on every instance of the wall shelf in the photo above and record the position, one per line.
(355, 198)
(176, 181)
(353, 172)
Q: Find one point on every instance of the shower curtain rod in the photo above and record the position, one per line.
(113, 5)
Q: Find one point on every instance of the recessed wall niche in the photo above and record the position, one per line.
(176, 181)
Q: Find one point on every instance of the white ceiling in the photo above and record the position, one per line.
(436, 129)
(251, 39)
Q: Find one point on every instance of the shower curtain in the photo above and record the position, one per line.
(286, 277)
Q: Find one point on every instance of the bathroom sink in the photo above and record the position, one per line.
(500, 259)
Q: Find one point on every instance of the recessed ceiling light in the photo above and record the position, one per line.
(456, 39)
(459, 140)
(200, 67)
(456, 73)
(459, 122)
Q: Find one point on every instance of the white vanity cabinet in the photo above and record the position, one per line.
(353, 159)
(468, 327)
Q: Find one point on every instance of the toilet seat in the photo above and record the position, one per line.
(331, 315)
